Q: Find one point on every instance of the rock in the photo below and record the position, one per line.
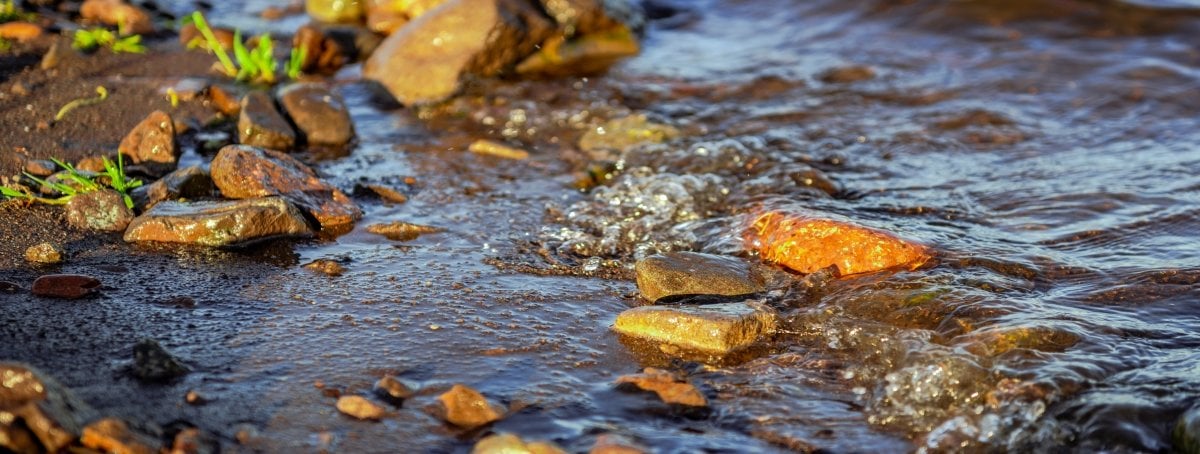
(1186, 436)
(231, 223)
(191, 38)
(319, 113)
(192, 441)
(424, 61)
(467, 408)
(616, 444)
(669, 387)
(112, 435)
(499, 150)
(323, 54)
(102, 211)
(360, 408)
(714, 328)
(506, 443)
(66, 286)
(334, 10)
(690, 273)
(261, 125)
(847, 74)
(386, 193)
(242, 172)
(591, 16)
(621, 134)
(54, 55)
(194, 397)
(386, 16)
(20, 31)
(224, 102)
(36, 413)
(152, 145)
(92, 164)
(119, 14)
(40, 167)
(152, 362)
(44, 253)
(393, 390)
(584, 55)
(186, 183)
(996, 341)
(809, 244)
(401, 231)
(9, 287)
(326, 267)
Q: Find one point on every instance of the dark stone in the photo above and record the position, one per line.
(261, 125)
(187, 183)
(152, 362)
(67, 286)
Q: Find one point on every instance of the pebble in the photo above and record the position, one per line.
(194, 397)
(44, 253)
(401, 231)
(117, 13)
(360, 408)
(101, 211)
(714, 328)
(387, 194)
(326, 267)
(393, 390)
(66, 286)
(616, 444)
(499, 150)
(676, 274)
(467, 408)
(241, 172)
(152, 144)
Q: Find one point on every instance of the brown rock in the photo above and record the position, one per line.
(44, 253)
(243, 172)
(669, 387)
(691, 273)
(261, 125)
(326, 267)
(385, 16)
(401, 231)
(36, 413)
(92, 164)
(322, 54)
(113, 436)
(847, 74)
(319, 113)
(334, 10)
(591, 16)
(506, 443)
(360, 408)
(102, 211)
(616, 444)
(186, 183)
(617, 135)
(225, 103)
(393, 389)
(714, 328)
(387, 194)
(117, 13)
(192, 441)
(808, 244)
(233, 223)
(151, 144)
(68, 286)
(467, 408)
(20, 31)
(423, 61)
(40, 167)
(497, 149)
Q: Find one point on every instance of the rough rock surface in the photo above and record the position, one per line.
(261, 125)
(713, 328)
(359, 407)
(66, 286)
(242, 172)
(102, 211)
(692, 273)
(114, 436)
(36, 413)
(807, 245)
(152, 362)
(186, 183)
(44, 253)
(319, 113)
(152, 145)
(669, 387)
(506, 443)
(467, 408)
(326, 267)
(231, 223)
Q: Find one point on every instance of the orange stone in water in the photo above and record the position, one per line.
(807, 245)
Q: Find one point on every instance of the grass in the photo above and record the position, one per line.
(68, 107)
(77, 183)
(88, 40)
(257, 65)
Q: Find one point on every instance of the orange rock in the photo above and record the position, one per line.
(807, 245)
(20, 31)
(671, 388)
(130, 18)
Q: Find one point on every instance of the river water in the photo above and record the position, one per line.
(1046, 149)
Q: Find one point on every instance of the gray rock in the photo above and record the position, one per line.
(319, 113)
(232, 223)
(691, 273)
(152, 362)
(151, 144)
(186, 183)
(40, 414)
(261, 125)
(103, 211)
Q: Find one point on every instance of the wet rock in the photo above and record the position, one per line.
(808, 244)
(618, 135)
(44, 253)
(386, 16)
(816, 179)
(591, 16)
(118, 13)
(319, 113)
(691, 273)
(385, 193)
(1186, 435)
(20, 31)
(669, 387)
(335, 10)
(584, 55)
(467, 408)
(152, 145)
(992, 342)
(847, 74)
(102, 211)
(186, 183)
(194, 397)
(112, 435)
(401, 231)
(326, 267)
(424, 61)
(40, 167)
(499, 150)
(322, 54)
(506, 443)
(191, 38)
(231, 223)
(224, 102)
(36, 413)
(244, 172)
(261, 125)
(193, 441)
(152, 362)
(92, 164)
(714, 328)
(360, 408)
(393, 390)
(616, 444)
(66, 286)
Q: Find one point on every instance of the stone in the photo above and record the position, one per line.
(467, 408)
(669, 387)
(322, 54)
(326, 267)
(226, 223)
(847, 74)
(193, 441)
(152, 144)
(224, 102)
(591, 16)
(386, 16)
(101, 211)
(111, 435)
(319, 113)
(393, 390)
(65, 286)
(261, 125)
(194, 397)
(359, 407)
(334, 10)
(186, 183)
(809, 244)
(497, 149)
(616, 444)
(1186, 435)
(506, 443)
(675, 274)
(621, 134)
(386, 193)
(22, 32)
(40, 167)
(714, 328)
(424, 61)
(36, 413)
(401, 231)
(584, 55)
(152, 362)
(44, 253)
(242, 172)
(118, 13)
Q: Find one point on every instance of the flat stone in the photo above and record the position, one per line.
(152, 144)
(242, 172)
(691, 273)
(36, 413)
(44, 253)
(359, 407)
(319, 113)
(101, 211)
(186, 183)
(506, 443)
(714, 328)
(152, 362)
(810, 244)
(387, 194)
(669, 387)
(401, 231)
(229, 223)
(112, 435)
(117, 13)
(66, 286)
(467, 408)
(261, 125)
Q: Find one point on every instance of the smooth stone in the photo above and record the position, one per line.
(506, 443)
(193, 441)
(319, 113)
(714, 328)
(669, 387)
(402, 231)
(44, 253)
(584, 55)
(40, 415)
(112, 435)
(261, 125)
(66, 286)
(101, 211)
(242, 172)
(691, 273)
(359, 407)
(467, 408)
(1186, 435)
(615, 136)
(186, 183)
(152, 362)
(118, 13)
(228, 223)
(393, 390)
(152, 144)
(807, 245)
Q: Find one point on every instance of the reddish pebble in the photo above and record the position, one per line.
(69, 286)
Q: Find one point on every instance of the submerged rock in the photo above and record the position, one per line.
(117, 13)
(36, 413)
(401, 231)
(231, 223)
(691, 273)
(424, 61)
(186, 183)
(669, 387)
(807, 245)
(319, 113)
(359, 407)
(714, 328)
(618, 135)
(66, 286)
(152, 145)
(616, 444)
(584, 55)
(1186, 436)
(44, 253)
(393, 390)
(242, 172)
(152, 362)
(101, 211)
(506, 443)
(261, 125)
(114, 436)
(467, 408)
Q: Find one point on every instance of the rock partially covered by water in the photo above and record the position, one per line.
(621, 134)
(616, 444)
(66, 286)
(112, 435)
(715, 328)
(424, 61)
(261, 125)
(808, 244)
(232, 223)
(152, 145)
(101, 211)
(186, 183)
(1186, 435)
(393, 390)
(402, 231)
(359, 407)
(691, 273)
(669, 387)
(506, 443)
(467, 408)
(36, 413)
(589, 54)
(243, 172)
(319, 113)
(152, 362)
